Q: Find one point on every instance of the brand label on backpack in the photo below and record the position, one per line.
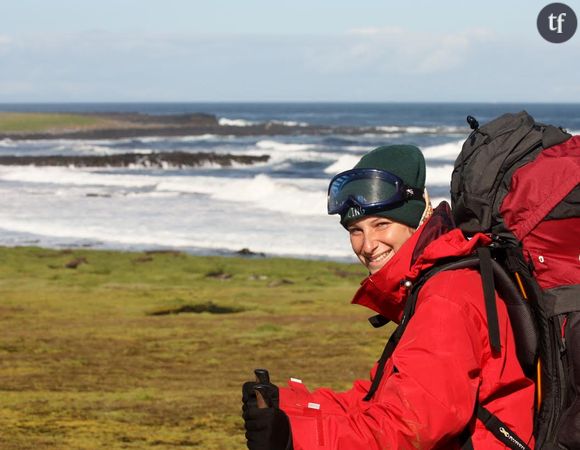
(511, 438)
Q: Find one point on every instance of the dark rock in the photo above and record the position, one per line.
(73, 264)
(218, 275)
(164, 252)
(247, 252)
(209, 307)
(281, 282)
(143, 259)
(173, 159)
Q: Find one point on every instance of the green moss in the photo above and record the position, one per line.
(46, 122)
(85, 365)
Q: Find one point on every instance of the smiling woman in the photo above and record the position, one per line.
(430, 379)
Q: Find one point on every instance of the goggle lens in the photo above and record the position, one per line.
(367, 189)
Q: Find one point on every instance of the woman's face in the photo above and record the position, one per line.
(376, 239)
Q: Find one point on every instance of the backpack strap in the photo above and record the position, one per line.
(408, 313)
(499, 429)
(486, 269)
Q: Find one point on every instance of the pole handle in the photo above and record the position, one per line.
(262, 377)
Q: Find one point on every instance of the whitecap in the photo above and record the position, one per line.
(422, 130)
(71, 176)
(278, 146)
(224, 121)
(100, 232)
(345, 162)
(293, 196)
(449, 150)
(289, 123)
(78, 147)
(201, 137)
(390, 129)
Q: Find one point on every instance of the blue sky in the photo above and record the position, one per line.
(258, 50)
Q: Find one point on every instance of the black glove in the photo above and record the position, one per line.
(270, 393)
(266, 428)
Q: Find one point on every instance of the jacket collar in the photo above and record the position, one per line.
(385, 291)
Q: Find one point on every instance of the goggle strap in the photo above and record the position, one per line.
(413, 193)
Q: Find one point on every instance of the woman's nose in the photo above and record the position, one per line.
(370, 242)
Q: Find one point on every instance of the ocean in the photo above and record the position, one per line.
(277, 207)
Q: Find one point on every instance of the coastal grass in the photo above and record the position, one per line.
(116, 350)
(13, 122)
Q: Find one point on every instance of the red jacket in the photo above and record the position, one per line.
(440, 368)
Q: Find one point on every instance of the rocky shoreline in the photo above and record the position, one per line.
(143, 125)
(160, 159)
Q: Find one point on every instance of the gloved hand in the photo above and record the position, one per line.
(270, 393)
(266, 428)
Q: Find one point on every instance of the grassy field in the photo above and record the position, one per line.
(149, 350)
(11, 122)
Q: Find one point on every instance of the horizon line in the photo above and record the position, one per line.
(426, 102)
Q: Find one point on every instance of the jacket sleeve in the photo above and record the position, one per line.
(427, 395)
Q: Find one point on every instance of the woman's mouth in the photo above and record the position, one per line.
(376, 262)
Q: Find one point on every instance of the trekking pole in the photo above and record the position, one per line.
(262, 397)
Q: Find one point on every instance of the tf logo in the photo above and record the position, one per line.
(557, 23)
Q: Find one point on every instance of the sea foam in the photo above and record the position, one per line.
(422, 130)
(447, 151)
(292, 196)
(55, 176)
(224, 121)
(289, 123)
(438, 175)
(277, 146)
(345, 162)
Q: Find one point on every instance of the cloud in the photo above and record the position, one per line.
(5, 43)
(444, 54)
(378, 64)
(397, 50)
(12, 88)
(375, 31)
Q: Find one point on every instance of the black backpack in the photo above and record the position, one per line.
(482, 181)
(518, 181)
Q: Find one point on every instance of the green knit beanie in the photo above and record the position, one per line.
(408, 163)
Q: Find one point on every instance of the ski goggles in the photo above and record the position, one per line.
(368, 190)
